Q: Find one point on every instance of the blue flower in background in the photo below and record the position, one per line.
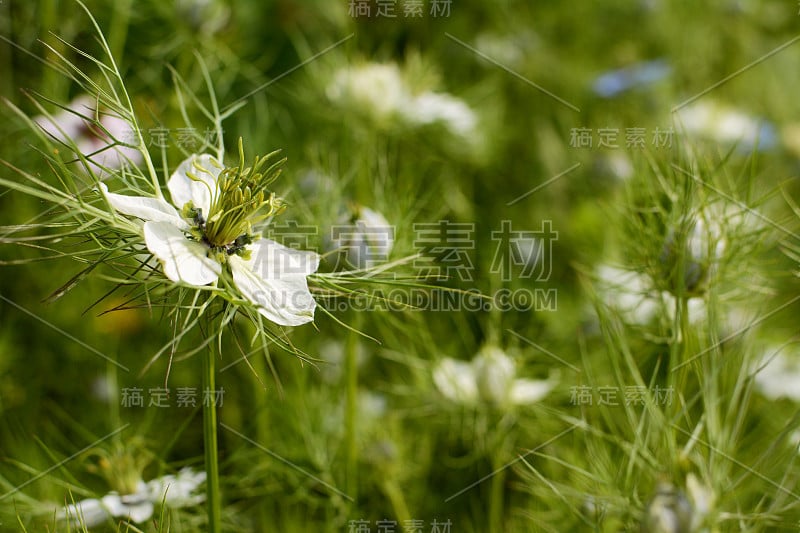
(615, 82)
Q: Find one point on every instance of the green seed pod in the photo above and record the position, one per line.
(688, 255)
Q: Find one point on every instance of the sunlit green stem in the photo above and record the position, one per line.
(397, 500)
(213, 500)
(679, 366)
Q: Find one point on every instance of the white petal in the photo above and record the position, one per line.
(183, 260)
(137, 507)
(205, 169)
(144, 207)
(526, 391)
(274, 279)
(272, 260)
(779, 374)
(456, 381)
(88, 512)
(494, 371)
(113, 504)
(177, 491)
(133, 508)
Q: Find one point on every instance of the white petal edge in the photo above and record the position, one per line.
(274, 279)
(527, 391)
(182, 259)
(136, 506)
(272, 260)
(177, 491)
(90, 513)
(148, 209)
(456, 381)
(199, 191)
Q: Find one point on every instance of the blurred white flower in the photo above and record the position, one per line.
(371, 405)
(510, 49)
(205, 16)
(433, 108)
(174, 491)
(778, 373)
(103, 389)
(490, 377)
(669, 511)
(213, 229)
(627, 292)
(633, 296)
(331, 352)
(379, 91)
(364, 239)
(702, 499)
(527, 391)
(376, 89)
(90, 140)
(494, 373)
(615, 164)
(725, 125)
(456, 381)
(177, 490)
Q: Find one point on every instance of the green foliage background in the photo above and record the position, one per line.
(554, 461)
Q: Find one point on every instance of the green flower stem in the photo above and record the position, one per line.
(261, 402)
(497, 488)
(213, 500)
(678, 371)
(351, 409)
(397, 500)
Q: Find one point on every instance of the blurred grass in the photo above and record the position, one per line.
(419, 450)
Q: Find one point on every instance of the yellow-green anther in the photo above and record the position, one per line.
(241, 200)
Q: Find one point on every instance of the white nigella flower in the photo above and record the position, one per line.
(91, 141)
(669, 511)
(634, 297)
(432, 108)
(177, 490)
(456, 381)
(210, 230)
(494, 372)
(366, 240)
(778, 374)
(207, 17)
(380, 91)
(726, 125)
(490, 377)
(615, 165)
(174, 491)
(332, 355)
(376, 89)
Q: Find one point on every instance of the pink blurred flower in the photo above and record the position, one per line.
(95, 143)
